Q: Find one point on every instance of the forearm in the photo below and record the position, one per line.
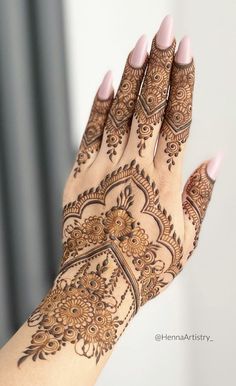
(64, 368)
(71, 334)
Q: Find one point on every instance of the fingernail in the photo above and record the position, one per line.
(139, 53)
(165, 36)
(184, 52)
(105, 90)
(213, 165)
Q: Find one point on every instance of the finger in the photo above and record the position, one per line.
(119, 119)
(196, 197)
(92, 137)
(151, 103)
(175, 128)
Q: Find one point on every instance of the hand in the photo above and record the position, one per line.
(128, 228)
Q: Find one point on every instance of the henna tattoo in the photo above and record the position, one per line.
(84, 308)
(121, 113)
(198, 194)
(92, 137)
(152, 100)
(119, 252)
(175, 128)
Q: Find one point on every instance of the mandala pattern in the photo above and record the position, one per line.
(178, 115)
(121, 113)
(120, 250)
(93, 133)
(198, 194)
(152, 100)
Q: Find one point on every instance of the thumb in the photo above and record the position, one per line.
(196, 197)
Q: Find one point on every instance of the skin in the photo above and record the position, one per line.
(127, 223)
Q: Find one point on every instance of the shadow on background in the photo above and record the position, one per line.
(35, 153)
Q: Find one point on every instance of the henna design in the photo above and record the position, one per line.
(152, 100)
(198, 194)
(83, 308)
(118, 254)
(121, 113)
(175, 128)
(92, 137)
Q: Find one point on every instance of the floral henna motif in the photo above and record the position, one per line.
(84, 309)
(175, 128)
(92, 137)
(198, 194)
(152, 100)
(120, 250)
(121, 113)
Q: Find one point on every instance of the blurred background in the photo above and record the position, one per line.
(53, 55)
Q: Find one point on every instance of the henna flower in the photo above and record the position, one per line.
(48, 321)
(173, 148)
(136, 244)
(113, 139)
(103, 318)
(45, 343)
(74, 312)
(93, 283)
(144, 131)
(179, 114)
(90, 333)
(94, 229)
(49, 304)
(118, 222)
(83, 156)
(107, 337)
(70, 334)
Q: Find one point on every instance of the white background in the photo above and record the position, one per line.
(202, 299)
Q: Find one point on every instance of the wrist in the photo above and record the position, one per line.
(92, 301)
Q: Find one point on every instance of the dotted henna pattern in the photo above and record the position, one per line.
(92, 137)
(120, 250)
(175, 128)
(121, 113)
(151, 103)
(198, 194)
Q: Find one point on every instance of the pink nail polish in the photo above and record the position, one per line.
(139, 53)
(214, 165)
(184, 52)
(105, 90)
(164, 36)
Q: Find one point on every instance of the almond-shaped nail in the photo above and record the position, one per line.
(184, 52)
(213, 165)
(165, 36)
(139, 53)
(106, 89)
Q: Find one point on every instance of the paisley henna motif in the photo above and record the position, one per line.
(175, 128)
(198, 194)
(92, 137)
(151, 103)
(118, 254)
(121, 113)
